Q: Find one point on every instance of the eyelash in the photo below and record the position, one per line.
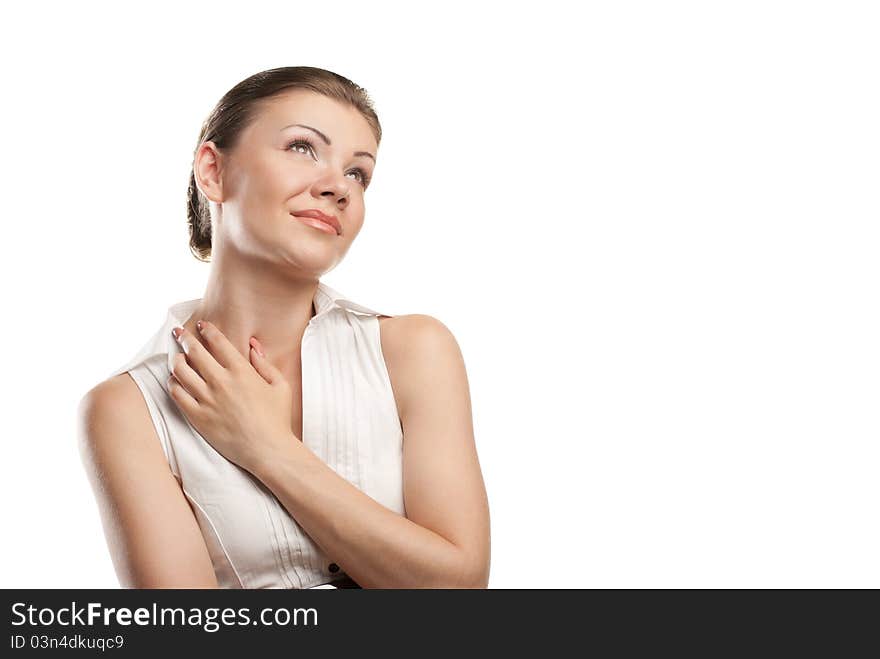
(365, 180)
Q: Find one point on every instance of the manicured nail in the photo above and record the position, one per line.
(199, 325)
(176, 332)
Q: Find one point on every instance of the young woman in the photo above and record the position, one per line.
(274, 434)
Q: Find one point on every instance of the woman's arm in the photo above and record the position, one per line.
(443, 542)
(151, 532)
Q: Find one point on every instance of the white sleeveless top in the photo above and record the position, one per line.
(350, 422)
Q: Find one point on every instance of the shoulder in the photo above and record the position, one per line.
(419, 351)
(111, 410)
(414, 336)
(117, 394)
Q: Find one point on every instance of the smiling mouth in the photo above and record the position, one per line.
(316, 224)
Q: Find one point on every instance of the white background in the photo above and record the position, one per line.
(652, 227)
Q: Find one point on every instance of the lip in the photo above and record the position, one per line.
(315, 214)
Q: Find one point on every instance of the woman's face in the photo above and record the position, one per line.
(277, 169)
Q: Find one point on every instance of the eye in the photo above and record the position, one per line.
(301, 142)
(364, 179)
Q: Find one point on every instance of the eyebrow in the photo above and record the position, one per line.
(327, 139)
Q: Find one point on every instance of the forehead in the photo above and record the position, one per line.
(343, 124)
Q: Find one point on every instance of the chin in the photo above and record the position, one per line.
(311, 258)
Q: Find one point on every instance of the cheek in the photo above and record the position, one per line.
(353, 230)
(278, 179)
(355, 216)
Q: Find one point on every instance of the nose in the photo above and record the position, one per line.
(334, 187)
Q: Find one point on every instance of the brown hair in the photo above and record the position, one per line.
(238, 107)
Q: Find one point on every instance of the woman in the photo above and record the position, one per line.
(273, 434)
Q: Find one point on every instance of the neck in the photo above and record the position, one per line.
(244, 299)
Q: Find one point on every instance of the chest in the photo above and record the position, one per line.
(320, 361)
(343, 409)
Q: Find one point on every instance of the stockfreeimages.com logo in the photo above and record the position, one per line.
(209, 619)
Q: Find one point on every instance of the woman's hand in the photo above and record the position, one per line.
(242, 408)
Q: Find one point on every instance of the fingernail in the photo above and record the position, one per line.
(199, 325)
(176, 332)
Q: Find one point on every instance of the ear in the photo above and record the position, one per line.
(208, 170)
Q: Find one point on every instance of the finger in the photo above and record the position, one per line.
(191, 381)
(255, 342)
(221, 348)
(263, 366)
(181, 396)
(198, 357)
